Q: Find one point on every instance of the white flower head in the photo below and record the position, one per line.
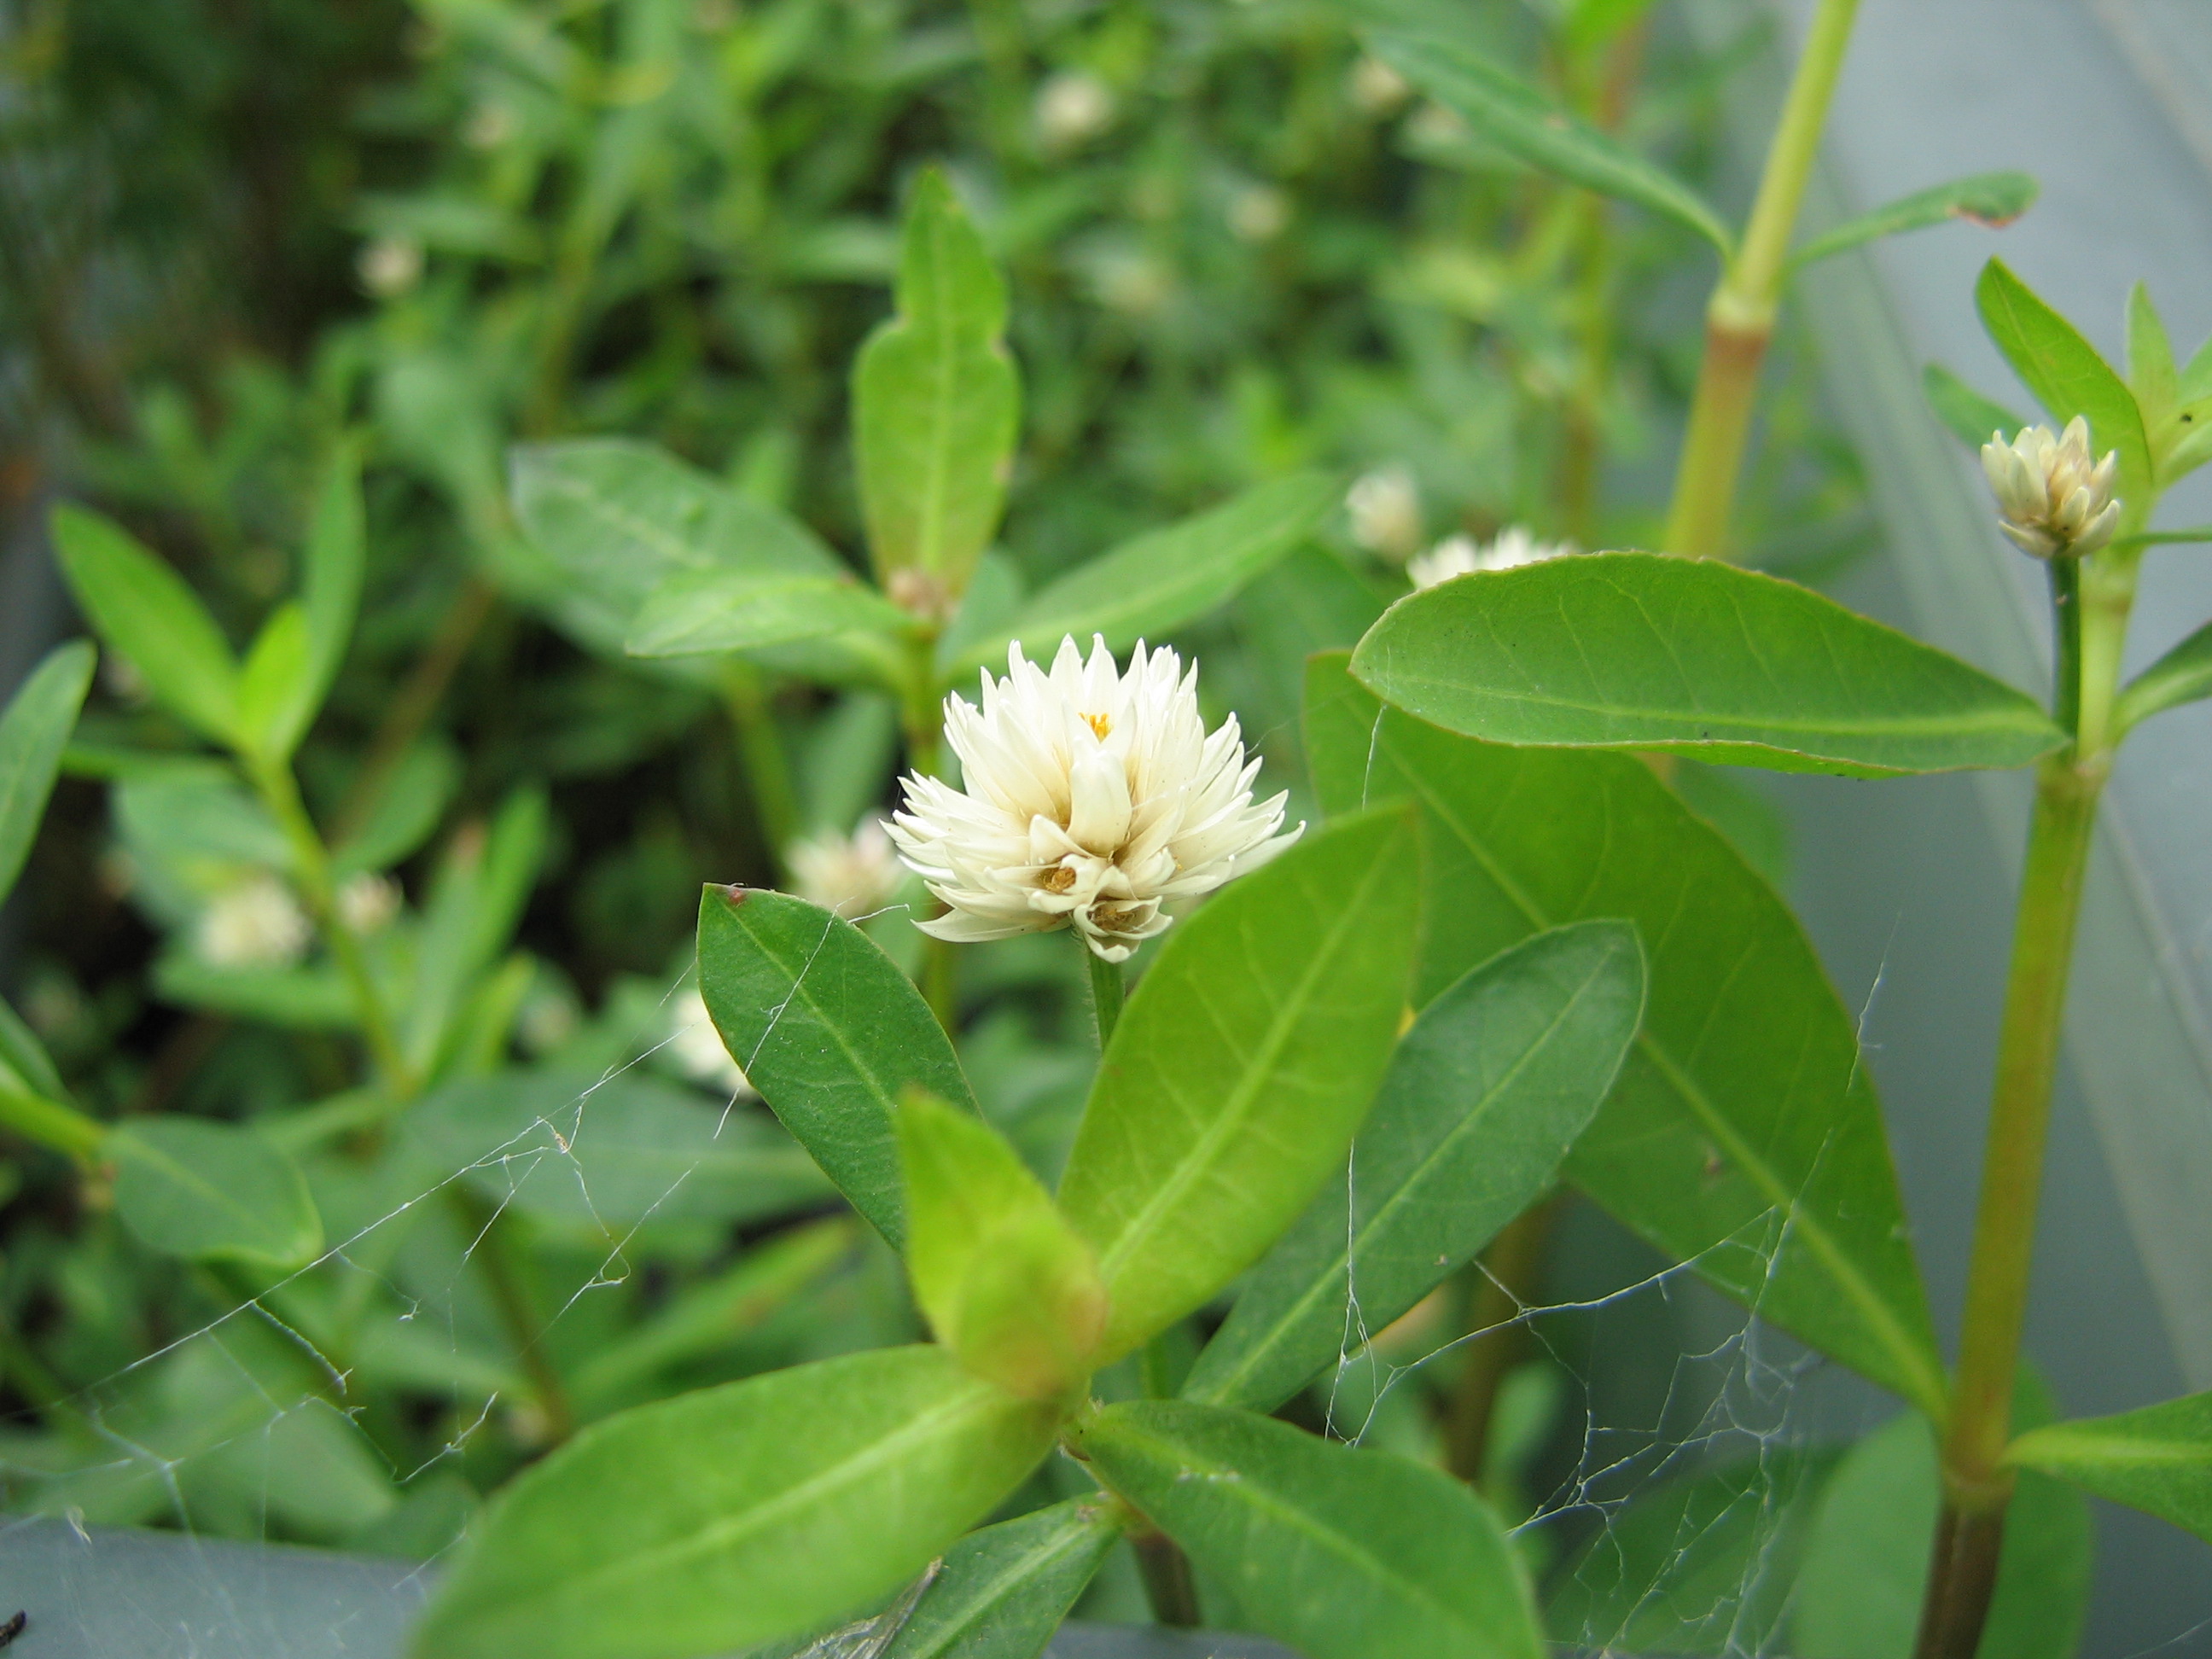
(1386, 512)
(1378, 89)
(697, 1046)
(1093, 800)
(850, 874)
(255, 923)
(2052, 500)
(368, 902)
(390, 265)
(1259, 213)
(1072, 107)
(1462, 556)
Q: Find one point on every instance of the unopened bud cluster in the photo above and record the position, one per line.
(2053, 500)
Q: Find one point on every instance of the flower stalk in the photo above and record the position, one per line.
(1740, 317)
(2091, 599)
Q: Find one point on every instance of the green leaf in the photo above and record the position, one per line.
(828, 1031)
(2158, 1459)
(404, 810)
(738, 1514)
(276, 690)
(1703, 1564)
(1240, 1068)
(1744, 1134)
(1973, 418)
(1145, 587)
(2066, 375)
(2182, 675)
(1483, 1097)
(694, 612)
(143, 610)
(316, 999)
(1522, 121)
(705, 1317)
(32, 733)
(2152, 375)
(579, 1151)
(1991, 199)
(23, 1055)
(1003, 1591)
(936, 403)
(212, 1192)
(475, 903)
(330, 591)
(616, 519)
(1866, 1562)
(1692, 657)
(1343, 1553)
(1003, 1281)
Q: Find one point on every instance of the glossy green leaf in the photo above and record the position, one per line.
(276, 688)
(1159, 581)
(738, 1514)
(330, 589)
(1703, 1564)
(210, 1191)
(1744, 1133)
(1520, 119)
(936, 403)
(1483, 1097)
(1003, 1591)
(1692, 657)
(1343, 1553)
(2065, 374)
(1243, 1065)
(1003, 1280)
(694, 612)
(2182, 675)
(2158, 1459)
(1866, 1561)
(579, 1151)
(1991, 199)
(33, 731)
(143, 608)
(618, 518)
(828, 1031)
(1973, 418)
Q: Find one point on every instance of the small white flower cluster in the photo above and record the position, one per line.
(255, 923)
(697, 1046)
(1093, 800)
(852, 874)
(1073, 106)
(1386, 512)
(1462, 556)
(2052, 500)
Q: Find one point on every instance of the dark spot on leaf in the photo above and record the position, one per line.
(734, 894)
(1987, 221)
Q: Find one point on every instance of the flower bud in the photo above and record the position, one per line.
(2052, 502)
(1462, 556)
(1386, 512)
(852, 874)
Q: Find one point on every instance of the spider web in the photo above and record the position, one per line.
(1636, 1382)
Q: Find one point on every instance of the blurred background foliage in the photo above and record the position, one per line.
(237, 232)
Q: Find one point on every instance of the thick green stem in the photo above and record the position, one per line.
(1740, 317)
(312, 862)
(2091, 603)
(1108, 993)
(50, 1123)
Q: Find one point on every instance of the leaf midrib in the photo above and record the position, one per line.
(1927, 1381)
(1208, 1147)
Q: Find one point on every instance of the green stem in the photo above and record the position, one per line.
(1108, 990)
(281, 794)
(2092, 600)
(921, 717)
(50, 1123)
(1740, 317)
(505, 1276)
(760, 750)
